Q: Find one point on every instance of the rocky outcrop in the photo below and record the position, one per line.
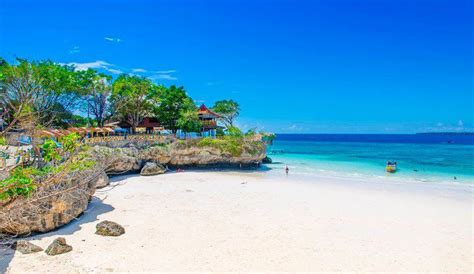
(117, 160)
(152, 168)
(26, 247)
(102, 180)
(109, 228)
(210, 156)
(58, 246)
(177, 154)
(52, 205)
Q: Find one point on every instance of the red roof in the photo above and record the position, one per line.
(204, 110)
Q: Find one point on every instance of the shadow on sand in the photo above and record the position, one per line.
(95, 208)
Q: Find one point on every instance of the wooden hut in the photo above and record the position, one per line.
(208, 119)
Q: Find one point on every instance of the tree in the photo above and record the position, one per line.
(189, 121)
(173, 103)
(97, 89)
(228, 110)
(36, 93)
(133, 97)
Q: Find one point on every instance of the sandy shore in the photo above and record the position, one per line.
(197, 221)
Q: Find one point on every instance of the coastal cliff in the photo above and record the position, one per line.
(130, 156)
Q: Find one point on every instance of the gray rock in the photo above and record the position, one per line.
(151, 168)
(58, 246)
(117, 160)
(102, 180)
(109, 228)
(25, 247)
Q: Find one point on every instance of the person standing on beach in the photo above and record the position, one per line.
(287, 170)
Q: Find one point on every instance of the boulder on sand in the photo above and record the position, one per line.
(26, 247)
(152, 168)
(109, 228)
(58, 246)
(102, 180)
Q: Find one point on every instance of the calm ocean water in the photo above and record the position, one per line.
(421, 157)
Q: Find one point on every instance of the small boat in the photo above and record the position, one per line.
(391, 167)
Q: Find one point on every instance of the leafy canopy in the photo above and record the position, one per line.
(133, 98)
(174, 102)
(228, 109)
(189, 121)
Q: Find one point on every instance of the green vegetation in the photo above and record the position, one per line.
(23, 180)
(50, 151)
(37, 95)
(20, 183)
(133, 97)
(234, 143)
(174, 106)
(227, 144)
(189, 121)
(228, 110)
(3, 141)
(70, 142)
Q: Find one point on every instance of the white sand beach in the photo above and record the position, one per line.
(228, 221)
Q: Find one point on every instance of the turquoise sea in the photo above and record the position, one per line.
(420, 157)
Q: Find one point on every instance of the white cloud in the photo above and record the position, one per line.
(114, 71)
(75, 49)
(103, 65)
(157, 74)
(163, 77)
(99, 64)
(165, 71)
(460, 123)
(91, 65)
(112, 39)
(138, 70)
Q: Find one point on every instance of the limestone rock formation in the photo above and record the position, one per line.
(26, 247)
(102, 179)
(109, 228)
(152, 168)
(117, 160)
(58, 246)
(51, 205)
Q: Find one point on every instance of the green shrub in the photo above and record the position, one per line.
(20, 182)
(220, 132)
(227, 144)
(81, 161)
(50, 151)
(70, 142)
(3, 141)
(234, 131)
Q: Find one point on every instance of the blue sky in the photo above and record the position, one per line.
(333, 66)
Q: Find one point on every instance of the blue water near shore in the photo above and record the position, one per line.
(420, 157)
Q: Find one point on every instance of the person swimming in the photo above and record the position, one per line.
(287, 170)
